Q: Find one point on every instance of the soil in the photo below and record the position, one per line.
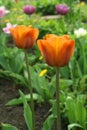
(14, 114)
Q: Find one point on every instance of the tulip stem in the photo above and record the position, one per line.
(31, 89)
(58, 100)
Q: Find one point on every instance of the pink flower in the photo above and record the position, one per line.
(29, 9)
(62, 9)
(7, 28)
(3, 11)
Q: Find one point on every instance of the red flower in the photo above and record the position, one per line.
(57, 50)
(24, 37)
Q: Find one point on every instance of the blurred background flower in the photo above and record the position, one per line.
(16, 1)
(62, 9)
(7, 28)
(3, 11)
(80, 32)
(29, 9)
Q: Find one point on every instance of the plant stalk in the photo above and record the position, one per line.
(31, 90)
(58, 100)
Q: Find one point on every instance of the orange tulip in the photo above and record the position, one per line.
(24, 37)
(57, 50)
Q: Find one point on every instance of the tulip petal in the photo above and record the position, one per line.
(64, 51)
(30, 37)
(48, 36)
(47, 51)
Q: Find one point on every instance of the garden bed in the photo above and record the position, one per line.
(14, 114)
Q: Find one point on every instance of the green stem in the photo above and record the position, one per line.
(58, 100)
(31, 90)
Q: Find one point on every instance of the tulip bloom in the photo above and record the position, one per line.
(24, 37)
(29, 9)
(57, 50)
(62, 9)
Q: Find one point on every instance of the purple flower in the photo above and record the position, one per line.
(7, 28)
(62, 9)
(3, 11)
(29, 9)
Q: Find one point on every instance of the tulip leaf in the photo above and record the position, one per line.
(8, 127)
(48, 123)
(19, 100)
(74, 125)
(27, 112)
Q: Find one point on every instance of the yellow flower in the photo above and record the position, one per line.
(14, 9)
(43, 72)
(41, 57)
(35, 20)
(82, 3)
(20, 17)
(7, 20)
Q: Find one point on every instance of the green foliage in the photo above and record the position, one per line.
(46, 7)
(8, 127)
(71, 126)
(73, 77)
(76, 111)
(18, 101)
(83, 84)
(11, 61)
(10, 58)
(27, 112)
(48, 124)
(40, 84)
(51, 26)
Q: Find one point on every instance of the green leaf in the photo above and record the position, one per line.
(74, 125)
(80, 113)
(19, 79)
(8, 127)
(48, 123)
(16, 60)
(64, 72)
(27, 111)
(19, 100)
(70, 106)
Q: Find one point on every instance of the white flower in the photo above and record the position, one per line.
(80, 32)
